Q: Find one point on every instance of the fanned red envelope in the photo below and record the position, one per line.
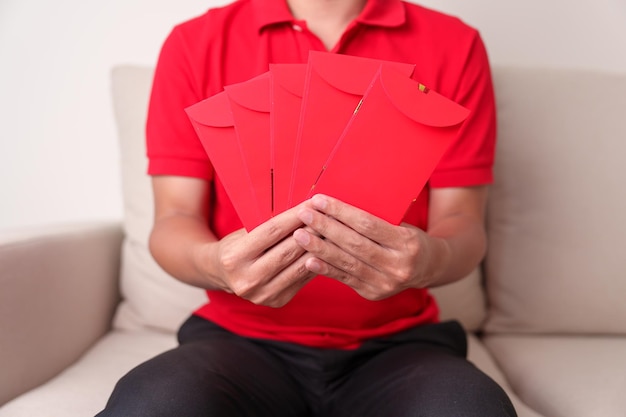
(391, 146)
(334, 87)
(287, 87)
(355, 128)
(215, 126)
(250, 106)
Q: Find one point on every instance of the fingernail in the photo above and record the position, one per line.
(314, 266)
(306, 217)
(319, 201)
(302, 237)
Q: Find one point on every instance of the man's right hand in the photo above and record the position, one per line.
(265, 266)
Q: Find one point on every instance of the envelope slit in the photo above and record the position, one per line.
(318, 177)
(272, 188)
(358, 106)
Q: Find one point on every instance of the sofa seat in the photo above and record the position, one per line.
(565, 376)
(83, 388)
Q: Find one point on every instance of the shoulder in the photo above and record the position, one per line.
(203, 38)
(442, 25)
(213, 22)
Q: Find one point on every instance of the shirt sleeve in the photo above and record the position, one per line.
(172, 144)
(469, 160)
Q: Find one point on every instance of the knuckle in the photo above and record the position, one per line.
(376, 297)
(343, 277)
(355, 245)
(382, 289)
(403, 274)
(302, 271)
(371, 295)
(229, 261)
(410, 242)
(270, 300)
(288, 253)
(367, 225)
(321, 225)
(272, 230)
(242, 288)
(349, 266)
(412, 247)
(400, 276)
(277, 303)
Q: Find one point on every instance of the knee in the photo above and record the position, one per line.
(136, 395)
(475, 395)
(148, 391)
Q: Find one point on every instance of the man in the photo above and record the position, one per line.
(323, 310)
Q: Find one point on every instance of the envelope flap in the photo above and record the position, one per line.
(253, 94)
(214, 111)
(351, 74)
(290, 77)
(419, 103)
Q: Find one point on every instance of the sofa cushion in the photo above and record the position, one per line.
(464, 301)
(150, 296)
(478, 354)
(84, 388)
(58, 289)
(565, 376)
(153, 298)
(556, 214)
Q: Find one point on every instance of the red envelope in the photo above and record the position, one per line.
(334, 86)
(250, 106)
(287, 87)
(214, 124)
(391, 146)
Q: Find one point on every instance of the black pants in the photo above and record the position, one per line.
(420, 372)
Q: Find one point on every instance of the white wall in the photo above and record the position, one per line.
(58, 149)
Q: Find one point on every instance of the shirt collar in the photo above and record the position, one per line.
(385, 13)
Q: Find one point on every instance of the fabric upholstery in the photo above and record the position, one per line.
(53, 310)
(83, 388)
(464, 301)
(478, 354)
(556, 216)
(565, 376)
(150, 296)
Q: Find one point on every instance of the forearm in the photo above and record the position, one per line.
(458, 246)
(456, 233)
(182, 245)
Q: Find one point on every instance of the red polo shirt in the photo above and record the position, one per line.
(237, 42)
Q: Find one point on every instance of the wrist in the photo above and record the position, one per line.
(204, 259)
(440, 258)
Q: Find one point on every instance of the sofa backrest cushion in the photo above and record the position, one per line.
(153, 298)
(150, 297)
(557, 214)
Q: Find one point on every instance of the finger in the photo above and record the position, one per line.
(374, 228)
(364, 288)
(346, 238)
(269, 233)
(336, 263)
(285, 285)
(278, 257)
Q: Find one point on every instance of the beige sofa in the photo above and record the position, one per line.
(546, 317)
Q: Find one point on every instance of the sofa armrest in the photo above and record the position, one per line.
(58, 293)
